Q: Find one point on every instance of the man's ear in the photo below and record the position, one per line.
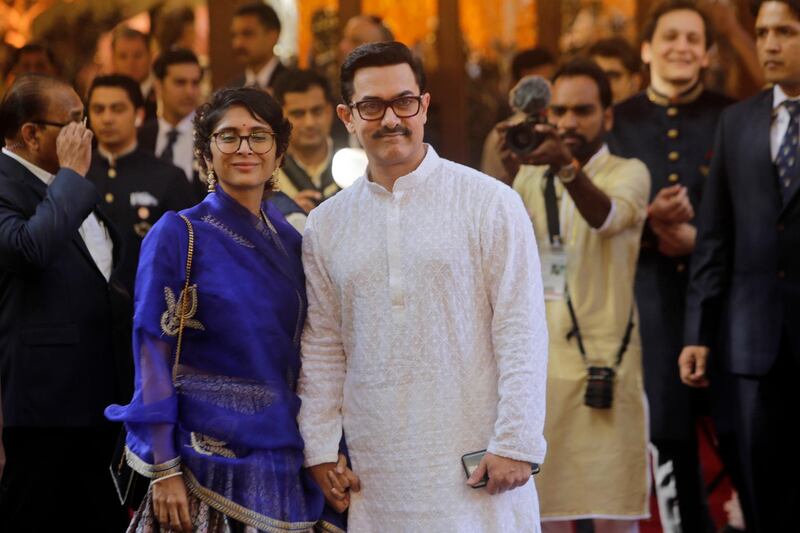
(647, 53)
(608, 119)
(139, 117)
(346, 116)
(29, 136)
(426, 101)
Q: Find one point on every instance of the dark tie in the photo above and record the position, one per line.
(172, 136)
(551, 208)
(787, 154)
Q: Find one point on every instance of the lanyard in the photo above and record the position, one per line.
(554, 232)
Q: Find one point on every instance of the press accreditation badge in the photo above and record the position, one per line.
(554, 272)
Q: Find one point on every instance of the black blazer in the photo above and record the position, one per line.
(744, 292)
(64, 330)
(241, 80)
(147, 137)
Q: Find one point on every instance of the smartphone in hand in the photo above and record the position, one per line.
(471, 460)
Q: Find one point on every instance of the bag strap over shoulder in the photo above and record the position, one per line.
(185, 299)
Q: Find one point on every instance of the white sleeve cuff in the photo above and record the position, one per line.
(609, 218)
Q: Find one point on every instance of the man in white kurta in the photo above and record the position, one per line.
(426, 337)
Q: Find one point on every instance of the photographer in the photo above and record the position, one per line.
(587, 208)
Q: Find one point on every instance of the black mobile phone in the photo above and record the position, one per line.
(470, 461)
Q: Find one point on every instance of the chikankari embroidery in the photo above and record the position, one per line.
(171, 319)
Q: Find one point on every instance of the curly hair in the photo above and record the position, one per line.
(258, 102)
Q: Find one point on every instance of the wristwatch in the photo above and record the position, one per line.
(568, 172)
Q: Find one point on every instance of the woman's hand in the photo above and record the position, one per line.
(336, 481)
(171, 504)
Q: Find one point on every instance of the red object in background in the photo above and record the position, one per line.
(711, 466)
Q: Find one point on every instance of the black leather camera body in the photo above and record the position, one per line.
(600, 387)
(523, 138)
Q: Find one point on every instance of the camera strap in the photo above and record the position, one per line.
(554, 232)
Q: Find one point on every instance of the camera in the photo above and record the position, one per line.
(523, 138)
(600, 387)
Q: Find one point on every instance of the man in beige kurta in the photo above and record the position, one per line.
(597, 463)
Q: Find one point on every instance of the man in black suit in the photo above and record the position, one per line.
(64, 321)
(170, 136)
(255, 31)
(670, 127)
(136, 187)
(130, 56)
(743, 305)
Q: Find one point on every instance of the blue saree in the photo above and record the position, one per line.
(228, 420)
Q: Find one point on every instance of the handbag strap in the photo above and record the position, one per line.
(184, 297)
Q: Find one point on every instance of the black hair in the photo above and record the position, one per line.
(297, 80)
(126, 32)
(529, 59)
(618, 48)
(386, 33)
(126, 83)
(583, 66)
(257, 101)
(668, 6)
(26, 101)
(794, 5)
(264, 13)
(176, 56)
(382, 54)
(34, 48)
(171, 24)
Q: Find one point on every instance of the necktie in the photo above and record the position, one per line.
(172, 136)
(787, 154)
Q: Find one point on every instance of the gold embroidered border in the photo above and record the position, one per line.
(689, 97)
(241, 513)
(322, 525)
(146, 469)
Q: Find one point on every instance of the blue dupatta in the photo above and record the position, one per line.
(230, 415)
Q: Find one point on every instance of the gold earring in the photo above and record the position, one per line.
(211, 179)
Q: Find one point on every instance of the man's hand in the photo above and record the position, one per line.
(308, 199)
(74, 148)
(674, 240)
(171, 505)
(511, 162)
(504, 473)
(671, 206)
(336, 481)
(552, 151)
(692, 364)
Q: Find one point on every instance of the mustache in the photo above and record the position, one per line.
(384, 132)
(575, 136)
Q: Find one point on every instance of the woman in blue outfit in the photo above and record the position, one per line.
(216, 432)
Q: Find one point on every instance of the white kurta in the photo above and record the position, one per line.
(425, 339)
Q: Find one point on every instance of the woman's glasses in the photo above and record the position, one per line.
(229, 142)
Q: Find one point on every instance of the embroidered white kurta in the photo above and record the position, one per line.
(425, 340)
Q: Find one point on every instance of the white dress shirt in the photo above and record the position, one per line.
(262, 77)
(93, 232)
(183, 149)
(780, 120)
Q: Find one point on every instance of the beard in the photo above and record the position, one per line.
(583, 148)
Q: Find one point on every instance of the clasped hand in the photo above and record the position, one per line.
(336, 481)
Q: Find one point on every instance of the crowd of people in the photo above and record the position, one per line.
(202, 331)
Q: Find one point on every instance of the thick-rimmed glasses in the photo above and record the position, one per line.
(375, 109)
(59, 124)
(260, 142)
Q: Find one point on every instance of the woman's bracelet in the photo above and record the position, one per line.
(156, 480)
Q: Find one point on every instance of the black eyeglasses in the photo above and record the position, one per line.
(375, 109)
(260, 142)
(56, 124)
